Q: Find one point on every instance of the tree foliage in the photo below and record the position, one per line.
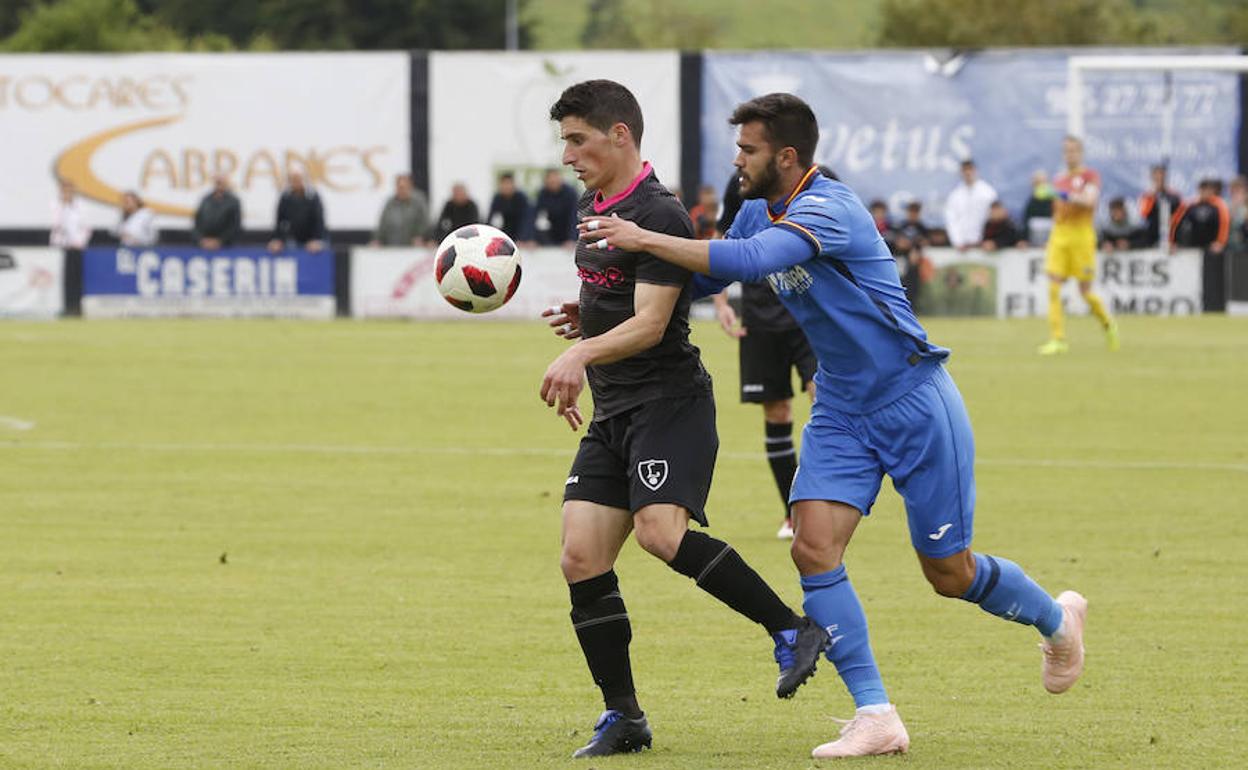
(165, 25)
(983, 23)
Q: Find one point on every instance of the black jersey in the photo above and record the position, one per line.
(761, 309)
(672, 367)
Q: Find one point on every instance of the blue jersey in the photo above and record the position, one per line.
(821, 253)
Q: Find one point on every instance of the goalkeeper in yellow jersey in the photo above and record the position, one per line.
(1072, 246)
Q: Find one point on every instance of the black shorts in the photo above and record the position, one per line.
(767, 363)
(662, 451)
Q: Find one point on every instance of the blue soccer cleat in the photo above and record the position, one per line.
(615, 733)
(797, 652)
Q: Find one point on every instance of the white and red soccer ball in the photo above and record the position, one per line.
(477, 268)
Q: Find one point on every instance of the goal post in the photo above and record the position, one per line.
(1167, 65)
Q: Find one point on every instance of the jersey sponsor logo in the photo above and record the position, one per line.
(939, 533)
(653, 473)
(608, 279)
(572, 480)
(795, 280)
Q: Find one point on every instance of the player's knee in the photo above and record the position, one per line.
(812, 558)
(577, 564)
(658, 536)
(951, 578)
(950, 586)
(778, 411)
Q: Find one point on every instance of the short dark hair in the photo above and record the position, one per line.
(1117, 203)
(601, 104)
(507, 176)
(877, 204)
(1212, 184)
(967, 163)
(787, 121)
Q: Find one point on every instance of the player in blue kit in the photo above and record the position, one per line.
(884, 405)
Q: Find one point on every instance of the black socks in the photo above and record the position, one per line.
(782, 457)
(601, 624)
(722, 573)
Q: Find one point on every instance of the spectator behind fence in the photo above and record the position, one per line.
(879, 215)
(300, 217)
(509, 210)
(1205, 223)
(458, 211)
(69, 227)
(219, 217)
(705, 215)
(405, 217)
(912, 237)
(966, 209)
(137, 226)
(1151, 202)
(1038, 213)
(1119, 233)
(1238, 205)
(554, 216)
(1000, 232)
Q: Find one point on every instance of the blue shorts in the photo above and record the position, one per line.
(922, 441)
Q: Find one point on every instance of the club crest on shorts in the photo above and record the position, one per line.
(653, 473)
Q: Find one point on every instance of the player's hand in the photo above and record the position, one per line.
(565, 319)
(727, 318)
(611, 232)
(562, 385)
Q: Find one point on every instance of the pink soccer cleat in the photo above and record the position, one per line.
(1063, 652)
(866, 735)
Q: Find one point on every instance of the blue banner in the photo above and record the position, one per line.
(895, 125)
(162, 281)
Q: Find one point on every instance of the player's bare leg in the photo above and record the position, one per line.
(1001, 588)
(781, 455)
(1057, 320)
(662, 529)
(823, 531)
(1097, 306)
(592, 537)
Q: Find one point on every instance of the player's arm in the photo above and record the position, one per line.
(743, 259)
(653, 305)
(1087, 197)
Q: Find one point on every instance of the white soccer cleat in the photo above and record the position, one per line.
(1063, 652)
(867, 735)
(786, 530)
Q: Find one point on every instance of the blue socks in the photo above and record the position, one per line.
(1002, 588)
(831, 602)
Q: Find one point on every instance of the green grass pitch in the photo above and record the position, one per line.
(335, 545)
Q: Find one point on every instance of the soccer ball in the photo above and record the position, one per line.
(477, 268)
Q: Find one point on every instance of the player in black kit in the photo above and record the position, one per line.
(645, 463)
(771, 347)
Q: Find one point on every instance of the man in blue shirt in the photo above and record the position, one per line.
(884, 404)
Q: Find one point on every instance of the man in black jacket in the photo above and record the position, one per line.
(218, 219)
(300, 217)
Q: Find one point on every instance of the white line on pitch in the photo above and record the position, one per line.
(16, 423)
(363, 449)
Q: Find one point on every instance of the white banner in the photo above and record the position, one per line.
(31, 283)
(398, 283)
(164, 124)
(1147, 282)
(490, 112)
